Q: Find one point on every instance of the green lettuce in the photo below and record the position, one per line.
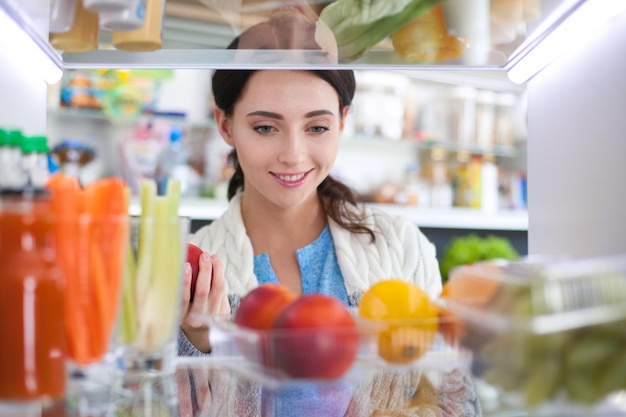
(358, 25)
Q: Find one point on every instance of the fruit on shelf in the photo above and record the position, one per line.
(408, 319)
(193, 257)
(315, 337)
(426, 39)
(258, 311)
(260, 308)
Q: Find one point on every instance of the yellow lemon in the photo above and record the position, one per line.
(408, 315)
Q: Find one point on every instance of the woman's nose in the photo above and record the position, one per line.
(293, 150)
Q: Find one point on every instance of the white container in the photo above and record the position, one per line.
(470, 20)
(458, 105)
(62, 15)
(106, 5)
(505, 119)
(130, 18)
(485, 118)
(489, 186)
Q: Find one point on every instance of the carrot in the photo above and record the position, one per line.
(113, 196)
(91, 247)
(64, 194)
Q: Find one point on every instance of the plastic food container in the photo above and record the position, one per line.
(548, 334)
(275, 357)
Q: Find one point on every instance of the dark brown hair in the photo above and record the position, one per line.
(228, 86)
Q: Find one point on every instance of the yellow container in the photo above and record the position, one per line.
(149, 36)
(82, 36)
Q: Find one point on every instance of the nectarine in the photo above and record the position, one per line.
(193, 257)
(258, 310)
(315, 337)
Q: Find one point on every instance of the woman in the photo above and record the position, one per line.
(288, 220)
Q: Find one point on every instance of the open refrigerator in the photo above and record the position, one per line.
(575, 116)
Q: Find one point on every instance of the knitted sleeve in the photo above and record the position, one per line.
(226, 237)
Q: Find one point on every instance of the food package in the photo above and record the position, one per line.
(547, 333)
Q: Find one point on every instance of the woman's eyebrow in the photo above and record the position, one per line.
(266, 114)
(280, 117)
(319, 113)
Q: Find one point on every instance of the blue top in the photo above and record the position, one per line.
(318, 267)
(320, 274)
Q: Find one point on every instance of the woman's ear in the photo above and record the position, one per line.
(223, 125)
(344, 114)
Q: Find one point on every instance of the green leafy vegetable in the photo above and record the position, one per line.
(358, 25)
(469, 249)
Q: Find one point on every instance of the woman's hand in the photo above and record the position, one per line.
(209, 298)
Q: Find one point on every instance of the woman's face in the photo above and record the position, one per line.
(286, 128)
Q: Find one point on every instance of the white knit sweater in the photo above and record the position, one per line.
(400, 251)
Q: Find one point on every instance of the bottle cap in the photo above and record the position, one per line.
(176, 134)
(14, 137)
(34, 144)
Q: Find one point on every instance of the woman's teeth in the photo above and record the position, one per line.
(290, 178)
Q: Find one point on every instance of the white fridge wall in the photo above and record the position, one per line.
(577, 149)
(22, 98)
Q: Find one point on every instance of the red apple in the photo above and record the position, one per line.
(193, 257)
(258, 310)
(315, 337)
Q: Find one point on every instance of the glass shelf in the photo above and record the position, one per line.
(197, 33)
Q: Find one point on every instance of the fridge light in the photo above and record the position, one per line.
(574, 30)
(33, 56)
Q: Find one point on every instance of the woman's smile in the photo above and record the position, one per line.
(291, 179)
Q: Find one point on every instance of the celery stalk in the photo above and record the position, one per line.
(161, 305)
(128, 324)
(148, 193)
(128, 312)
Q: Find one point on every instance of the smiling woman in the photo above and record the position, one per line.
(289, 222)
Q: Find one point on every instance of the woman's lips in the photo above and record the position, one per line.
(291, 179)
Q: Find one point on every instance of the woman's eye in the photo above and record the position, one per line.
(319, 129)
(264, 129)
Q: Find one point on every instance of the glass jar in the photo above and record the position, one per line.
(32, 352)
(460, 121)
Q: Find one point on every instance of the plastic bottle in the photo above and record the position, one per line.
(149, 36)
(35, 161)
(173, 162)
(82, 36)
(62, 15)
(489, 185)
(11, 177)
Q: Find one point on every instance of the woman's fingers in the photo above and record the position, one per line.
(210, 298)
(186, 290)
(185, 401)
(203, 284)
(218, 300)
